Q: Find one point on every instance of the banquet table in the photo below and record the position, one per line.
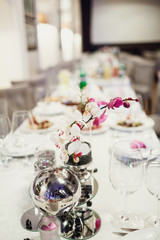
(15, 184)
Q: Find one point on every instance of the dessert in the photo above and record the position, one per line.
(39, 125)
(129, 122)
(54, 99)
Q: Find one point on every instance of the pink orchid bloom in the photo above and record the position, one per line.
(92, 100)
(101, 119)
(101, 103)
(116, 102)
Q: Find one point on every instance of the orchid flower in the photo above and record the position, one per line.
(98, 120)
(72, 133)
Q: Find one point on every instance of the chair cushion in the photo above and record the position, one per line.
(144, 90)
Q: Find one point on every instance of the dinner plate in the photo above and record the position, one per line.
(26, 129)
(147, 123)
(144, 234)
(28, 149)
(48, 109)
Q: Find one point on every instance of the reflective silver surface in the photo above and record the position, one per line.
(54, 190)
(88, 191)
(81, 223)
(30, 219)
(83, 174)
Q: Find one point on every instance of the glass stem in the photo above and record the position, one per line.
(125, 216)
(158, 209)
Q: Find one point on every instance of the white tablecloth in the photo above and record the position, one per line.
(15, 199)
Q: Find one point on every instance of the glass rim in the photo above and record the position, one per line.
(21, 111)
(127, 141)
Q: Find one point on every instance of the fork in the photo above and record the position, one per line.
(127, 230)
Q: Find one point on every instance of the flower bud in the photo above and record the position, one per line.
(126, 104)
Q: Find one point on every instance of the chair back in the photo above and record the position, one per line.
(144, 72)
(37, 87)
(17, 98)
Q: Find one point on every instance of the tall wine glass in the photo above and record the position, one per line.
(152, 179)
(126, 172)
(5, 128)
(20, 121)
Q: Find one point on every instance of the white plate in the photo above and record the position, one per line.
(103, 129)
(144, 234)
(147, 123)
(25, 128)
(32, 141)
(48, 109)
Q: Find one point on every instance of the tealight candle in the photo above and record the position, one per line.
(49, 228)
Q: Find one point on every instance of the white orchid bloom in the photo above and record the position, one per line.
(75, 130)
(84, 148)
(93, 108)
(78, 147)
(64, 156)
(76, 116)
(74, 147)
(86, 116)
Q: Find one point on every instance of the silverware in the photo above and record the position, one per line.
(127, 230)
(130, 229)
(120, 233)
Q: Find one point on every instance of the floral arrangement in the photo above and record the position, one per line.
(89, 110)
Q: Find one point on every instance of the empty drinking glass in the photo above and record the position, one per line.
(20, 124)
(152, 178)
(126, 172)
(5, 128)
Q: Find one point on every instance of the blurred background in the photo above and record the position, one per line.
(38, 38)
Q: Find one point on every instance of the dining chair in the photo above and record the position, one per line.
(156, 115)
(17, 98)
(144, 79)
(37, 87)
(3, 106)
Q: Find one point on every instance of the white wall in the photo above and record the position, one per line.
(13, 52)
(125, 21)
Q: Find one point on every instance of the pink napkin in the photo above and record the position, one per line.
(135, 146)
(50, 227)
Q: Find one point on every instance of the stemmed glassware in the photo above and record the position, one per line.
(5, 128)
(20, 122)
(152, 179)
(126, 174)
